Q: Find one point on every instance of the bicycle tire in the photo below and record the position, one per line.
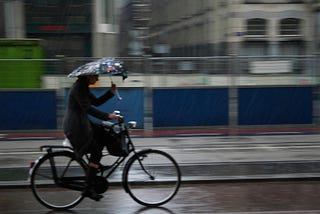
(155, 181)
(58, 195)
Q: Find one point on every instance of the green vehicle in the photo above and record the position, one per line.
(21, 64)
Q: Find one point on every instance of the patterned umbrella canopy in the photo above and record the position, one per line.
(110, 66)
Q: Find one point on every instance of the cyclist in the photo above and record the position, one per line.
(84, 135)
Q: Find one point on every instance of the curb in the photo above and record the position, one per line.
(204, 173)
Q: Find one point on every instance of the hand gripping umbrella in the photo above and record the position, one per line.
(111, 66)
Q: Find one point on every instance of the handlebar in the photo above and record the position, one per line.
(120, 119)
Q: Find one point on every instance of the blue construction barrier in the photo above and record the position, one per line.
(275, 105)
(172, 107)
(28, 110)
(190, 107)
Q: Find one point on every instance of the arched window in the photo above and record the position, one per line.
(290, 26)
(256, 27)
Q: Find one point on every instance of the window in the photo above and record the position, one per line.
(255, 48)
(291, 48)
(290, 26)
(256, 27)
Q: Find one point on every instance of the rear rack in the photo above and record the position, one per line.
(51, 147)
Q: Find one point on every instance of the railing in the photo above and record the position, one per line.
(164, 71)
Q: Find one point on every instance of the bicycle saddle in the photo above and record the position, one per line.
(66, 143)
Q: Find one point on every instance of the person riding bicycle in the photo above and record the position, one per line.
(84, 135)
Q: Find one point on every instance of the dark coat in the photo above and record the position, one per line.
(76, 125)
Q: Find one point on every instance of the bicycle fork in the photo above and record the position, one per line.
(140, 159)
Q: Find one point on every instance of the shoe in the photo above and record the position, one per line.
(92, 194)
(89, 191)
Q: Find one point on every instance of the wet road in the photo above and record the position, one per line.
(286, 197)
(200, 158)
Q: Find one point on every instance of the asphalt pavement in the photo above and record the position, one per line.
(204, 156)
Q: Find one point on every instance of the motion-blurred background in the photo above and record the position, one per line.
(194, 64)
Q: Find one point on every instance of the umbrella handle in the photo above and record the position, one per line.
(118, 95)
(116, 91)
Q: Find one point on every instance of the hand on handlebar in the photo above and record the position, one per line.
(113, 116)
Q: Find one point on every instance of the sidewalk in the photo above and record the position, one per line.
(203, 155)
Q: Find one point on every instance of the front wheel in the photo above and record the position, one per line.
(151, 177)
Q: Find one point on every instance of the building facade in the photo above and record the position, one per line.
(226, 27)
(81, 28)
(164, 27)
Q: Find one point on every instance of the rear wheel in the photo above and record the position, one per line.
(58, 179)
(152, 177)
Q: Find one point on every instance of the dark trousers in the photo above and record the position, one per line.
(98, 144)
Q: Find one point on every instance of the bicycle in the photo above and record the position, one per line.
(151, 177)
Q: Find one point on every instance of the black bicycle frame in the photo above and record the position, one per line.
(120, 160)
(71, 182)
(78, 182)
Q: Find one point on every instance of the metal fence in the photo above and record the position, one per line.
(209, 65)
(190, 71)
(209, 71)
